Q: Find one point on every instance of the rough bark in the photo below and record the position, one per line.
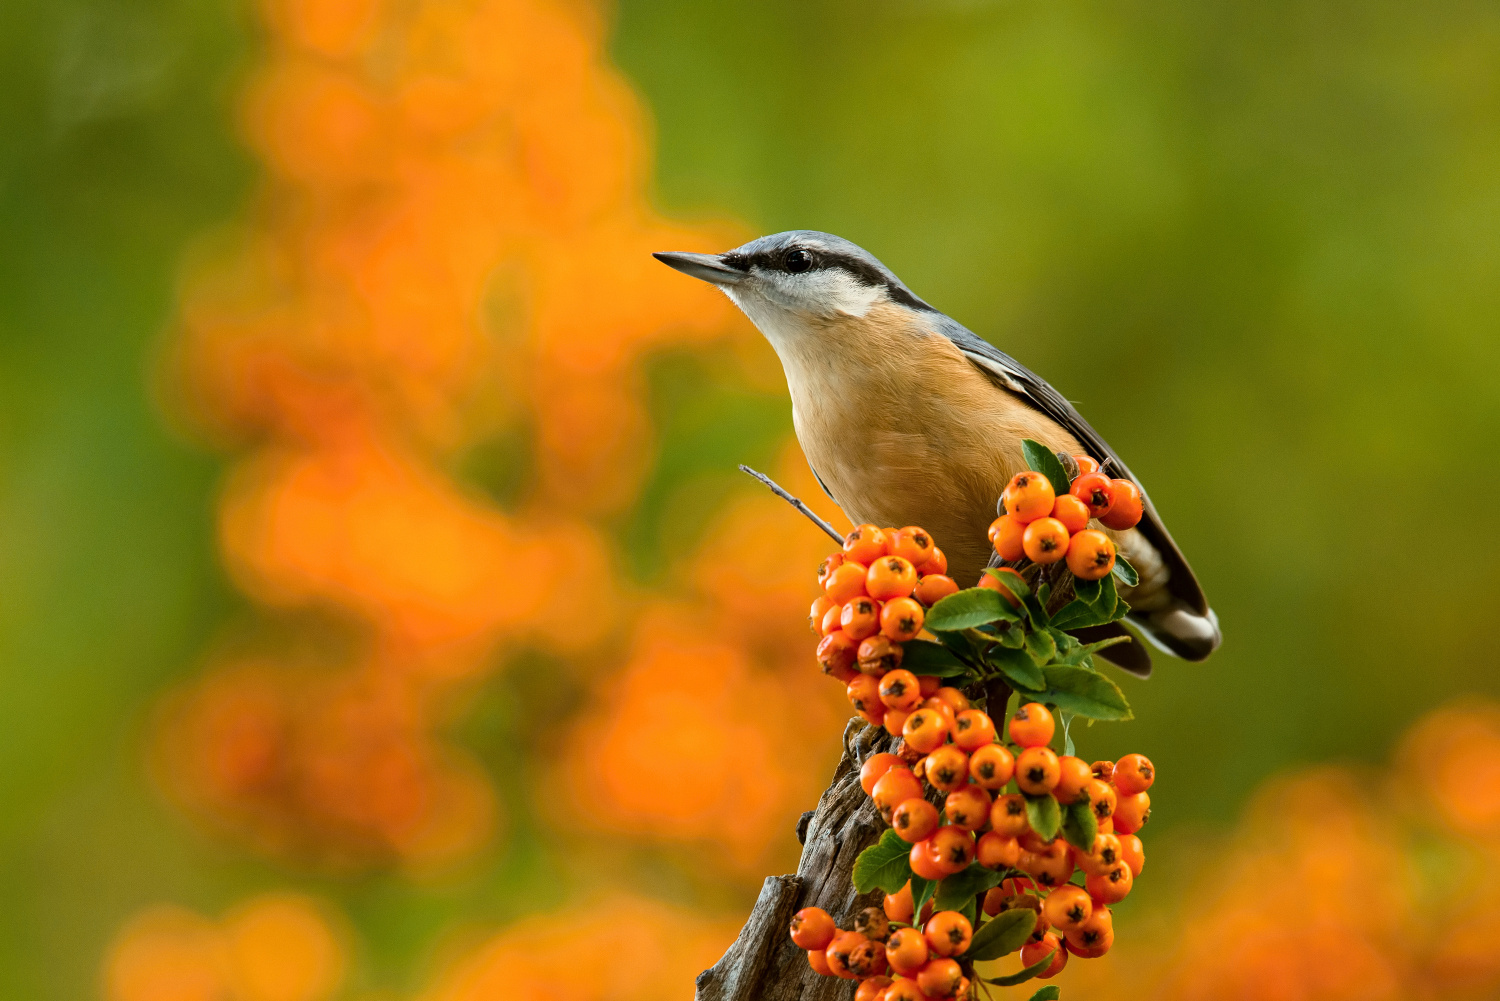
(764, 964)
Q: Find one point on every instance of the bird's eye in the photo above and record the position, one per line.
(798, 261)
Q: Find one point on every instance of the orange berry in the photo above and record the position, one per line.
(930, 685)
(996, 582)
(937, 563)
(875, 766)
(841, 950)
(836, 652)
(991, 766)
(1102, 856)
(1132, 812)
(948, 933)
(1072, 775)
(925, 860)
(1133, 774)
(1072, 512)
(860, 617)
(901, 619)
(867, 959)
(890, 577)
(968, 808)
(864, 695)
(996, 851)
(892, 789)
(939, 978)
(1008, 816)
(953, 848)
(872, 989)
(817, 612)
(831, 623)
(1093, 938)
(813, 928)
(933, 588)
(877, 656)
(973, 729)
(1045, 541)
(1104, 771)
(866, 544)
(947, 768)
(1033, 953)
(1126, 511)
(1005, 535)
(1067, 907)
(1132, 853)
(1051, 865)
(903, 989)
(1112, 885)
(914, 820)
(1091, 555)
(818, 960)
(925, 730)
(898, 906)
(1032, 725)
(847, 581)
(1102, 797)
(828, 566)
(895, 719)
(1036, 770)
(899, 689)
(1028, 496)
(872, 923)
(906, 951)
(912, 544)
(1095, 490)
(953, 698)
(1086, 464)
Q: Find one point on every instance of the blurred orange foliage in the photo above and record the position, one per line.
(1342, 884)
(276, 947)
(452, 240)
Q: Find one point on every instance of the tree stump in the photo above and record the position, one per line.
(764, 964)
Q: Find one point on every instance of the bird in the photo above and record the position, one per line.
(907, 417)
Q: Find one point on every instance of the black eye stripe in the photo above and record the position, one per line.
(822, 260)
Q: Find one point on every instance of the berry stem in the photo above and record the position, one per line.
(779, 491)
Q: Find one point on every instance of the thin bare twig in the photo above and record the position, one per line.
(776, 489)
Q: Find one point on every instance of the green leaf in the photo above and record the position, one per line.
(1024, 975)
(976, 606)
(921, 892)
(1084, 655)
(1042, 459)
(1044, 816)
(1019, 669)
(1079, 825)
(1049, 993)
(885, 864)
(1001, 935)
(964, 886)
(1017, 587)
(1095, 602)
(1042, 647)
(969, 909)
(1125, 571)
(1066, 719)
(1085, 692)
(935, 659)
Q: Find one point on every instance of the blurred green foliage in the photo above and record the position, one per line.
(1258, 242)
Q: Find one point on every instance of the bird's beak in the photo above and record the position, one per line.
(705, 266)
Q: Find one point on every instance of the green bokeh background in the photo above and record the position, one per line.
(1258, 242)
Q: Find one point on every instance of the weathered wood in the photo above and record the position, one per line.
(764, 964)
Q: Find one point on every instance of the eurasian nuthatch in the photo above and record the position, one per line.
(909, 418)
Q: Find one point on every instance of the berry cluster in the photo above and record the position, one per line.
(1043, 526)
(874, 600)
(980, 826)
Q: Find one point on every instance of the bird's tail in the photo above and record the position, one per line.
(1180, 630)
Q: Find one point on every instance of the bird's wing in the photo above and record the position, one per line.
(1019, 379)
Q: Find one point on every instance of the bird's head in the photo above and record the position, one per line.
(800, 285)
